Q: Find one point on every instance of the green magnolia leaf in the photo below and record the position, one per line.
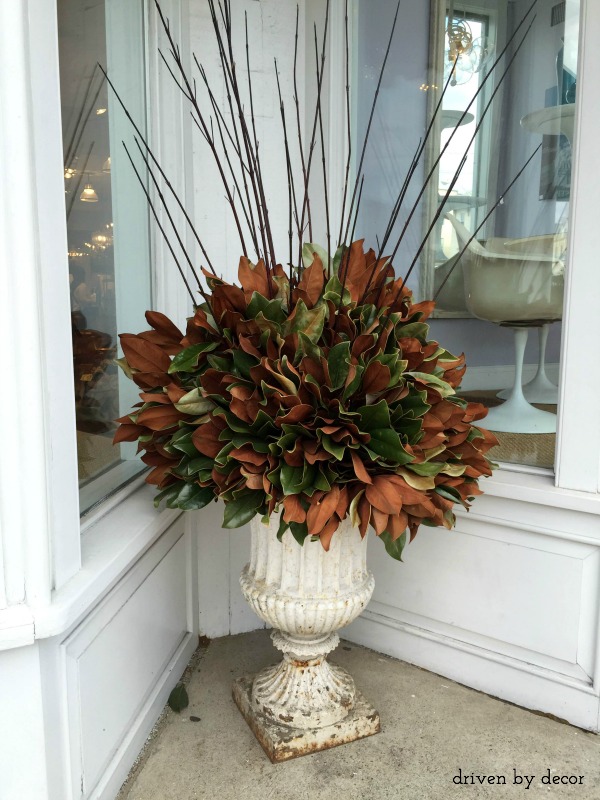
(187, 360)
(242, 509)
(450, 493)
(220, 363)
(283, 526)
(394, 549)
(283, 289)
(337, 258)
(386, 442)
(308, 255)
(194, 403)
(336, 449)
(442, 387)
(306, 348)
(308, 321)
(294, 480)
(415, 403)
(270, 309)
(178, 699)
(426, 469)
(182, 441)
(299, 531)
(122, 362)
(196, 464)
(166, 494)
(355, 382)
(333, 291)
(375, 416)
(413, 330)
(338, 362)
(243, 362)
(192, 497)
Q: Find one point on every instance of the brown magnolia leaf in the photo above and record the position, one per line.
(359, 468)
(328, 531)
(397, 524)
(376, 378)
(155, 398)
(158, 418)
(253, 480)
(321, 512)
(292, 509)
(364, 514)
(384, 496)
(408, 494)
(128, 433)
(144, 356)
(174, 392)
(312, 282)
(253, 279)
(248, 455)
(379, 520)
(206, 439)
(163, 324)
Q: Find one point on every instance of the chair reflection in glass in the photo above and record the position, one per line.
(517, 283)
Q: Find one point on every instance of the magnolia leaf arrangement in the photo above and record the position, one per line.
(313, 390)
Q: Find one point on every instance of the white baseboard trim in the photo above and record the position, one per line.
(507, 678)
(501, 376)
(116, 772)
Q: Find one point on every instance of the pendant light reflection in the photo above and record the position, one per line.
(106, 165)
(88, 195)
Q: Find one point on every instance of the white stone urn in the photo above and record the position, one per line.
(306, 594)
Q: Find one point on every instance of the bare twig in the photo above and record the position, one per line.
(371, 115)
(320, 115)
(348, 126)
(162, 172)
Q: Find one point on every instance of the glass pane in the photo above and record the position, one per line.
(495, 256)
(107, 226)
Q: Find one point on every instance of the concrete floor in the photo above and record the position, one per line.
(431, 727)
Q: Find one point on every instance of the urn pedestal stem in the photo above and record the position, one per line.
(305, 703)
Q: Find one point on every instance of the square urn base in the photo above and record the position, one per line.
(280, 742)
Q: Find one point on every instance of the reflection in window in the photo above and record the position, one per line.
(498, 272)
(101, 230)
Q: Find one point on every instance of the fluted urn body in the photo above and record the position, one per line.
(306, 594)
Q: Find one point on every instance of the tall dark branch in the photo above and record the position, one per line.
(314, 128)
(323, 160)
(421, 147)
(162, 172)
(158, 222)
(300, 139)
(371, 115)
(293, 209)
(190, 95)
(348, 126)
(169, 215)
(256, 147)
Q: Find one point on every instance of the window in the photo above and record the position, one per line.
(107, 225)
(498, 265)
